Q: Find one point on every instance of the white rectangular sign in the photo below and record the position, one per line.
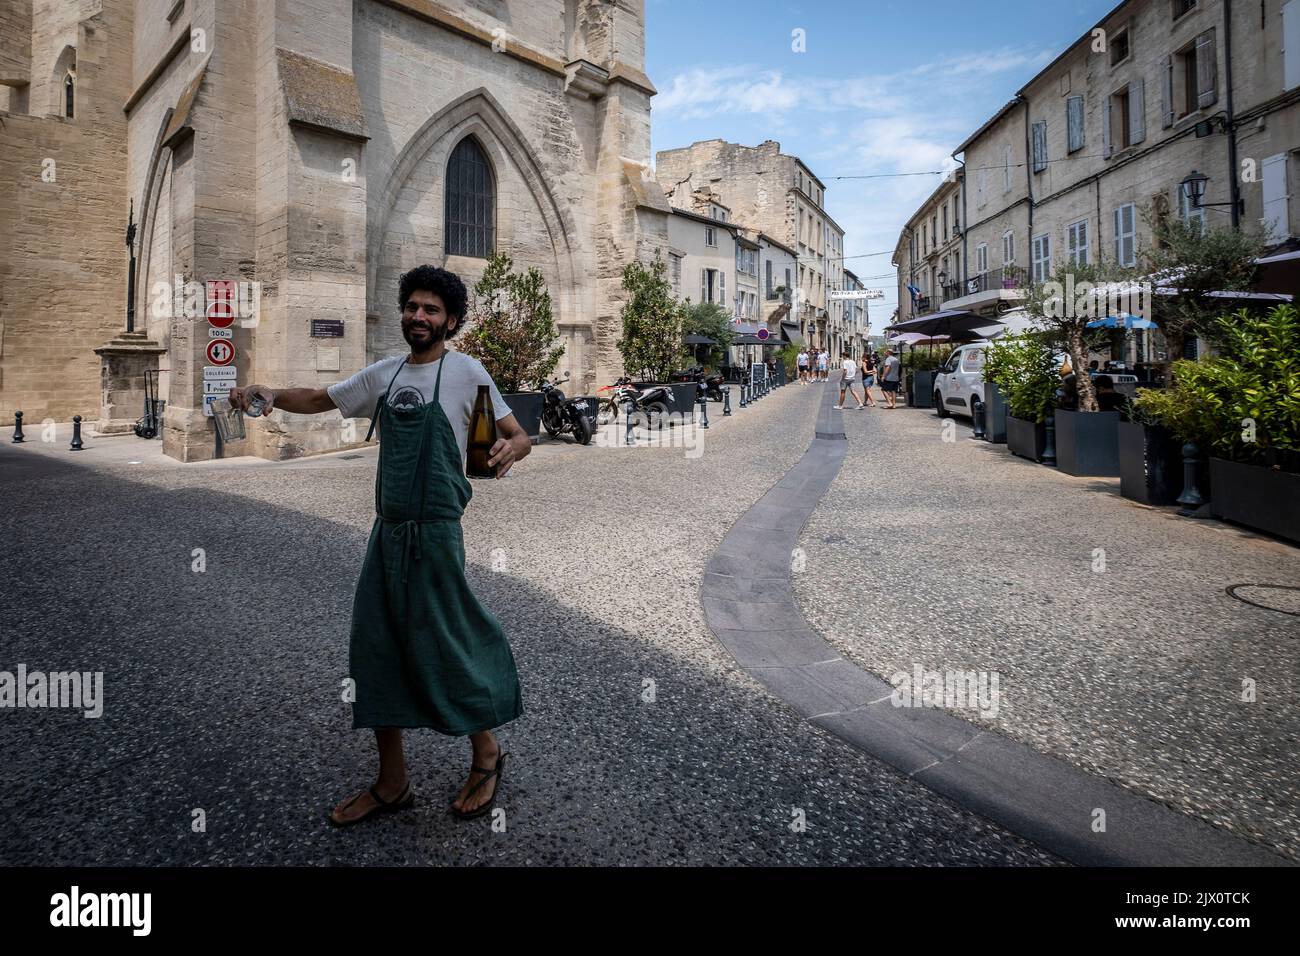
(215, 333)
(217, 388)
(220, 373)
(207, 404)
(856, 294)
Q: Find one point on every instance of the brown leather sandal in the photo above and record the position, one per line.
(498, 772)
(402, 801)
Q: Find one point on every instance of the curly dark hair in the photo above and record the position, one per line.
(445, 285)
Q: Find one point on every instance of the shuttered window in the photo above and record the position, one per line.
(1276, 199)
(1137, 112)
(1291, 44)
(471, 202)
(1207, 70)
(1041, 254)
(1076, 236)
(1040, 146)
(1126, 235)
(1074, 120)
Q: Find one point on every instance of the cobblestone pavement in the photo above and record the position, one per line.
(957, 556)
(641, 743)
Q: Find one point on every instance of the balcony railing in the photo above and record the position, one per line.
(1008, 277)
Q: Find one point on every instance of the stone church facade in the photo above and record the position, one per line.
(309, 151)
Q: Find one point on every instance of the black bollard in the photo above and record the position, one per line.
(1049, 444)
(744, 389)
(1191, 498)
(76, 433)
(726, 401)
(18, 427)
(704, 410)
(977, 418)
(630, 440)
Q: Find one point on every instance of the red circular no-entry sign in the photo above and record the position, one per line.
(220, 352)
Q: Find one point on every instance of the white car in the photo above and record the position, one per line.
(959, 382)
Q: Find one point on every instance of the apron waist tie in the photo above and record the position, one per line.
(408, 535)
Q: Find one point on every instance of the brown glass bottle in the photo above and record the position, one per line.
(482, 436)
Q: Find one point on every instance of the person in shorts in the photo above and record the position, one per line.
(803, 365)
(868, 378)
(890, 373)
(849, 373)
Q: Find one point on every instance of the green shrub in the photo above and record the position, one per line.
(1243, 402)
(711, 321)
(651, 344)
(511, 327)
(1025, 368)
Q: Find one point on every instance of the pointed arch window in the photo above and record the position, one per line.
(69, 94)
(471, 202)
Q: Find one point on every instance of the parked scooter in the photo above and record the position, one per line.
(649, 406)
(561, 416)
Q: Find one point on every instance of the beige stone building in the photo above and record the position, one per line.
(1162, 101)
(309, 151)
(774, 193)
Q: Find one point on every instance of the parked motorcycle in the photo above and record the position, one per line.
(648, 405)
(561, 416)
(712, 383)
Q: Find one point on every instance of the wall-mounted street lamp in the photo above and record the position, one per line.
(1194, 187)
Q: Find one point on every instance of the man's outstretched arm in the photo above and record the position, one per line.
(303, 401)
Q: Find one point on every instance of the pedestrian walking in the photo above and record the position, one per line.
(803, 365)
(823, 364)
(423, 651)
(890, 372)
(868, 378)
(848, 373)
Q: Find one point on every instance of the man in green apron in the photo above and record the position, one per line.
(423, 651)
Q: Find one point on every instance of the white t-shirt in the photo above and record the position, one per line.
(850, 370)
(356, 396)
(803, 359)
(822, 359)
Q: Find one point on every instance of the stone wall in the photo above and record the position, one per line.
(63, 220)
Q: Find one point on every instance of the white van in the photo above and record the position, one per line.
(959, 382)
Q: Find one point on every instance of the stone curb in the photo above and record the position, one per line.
(749, 605)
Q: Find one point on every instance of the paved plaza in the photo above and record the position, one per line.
(643, 740)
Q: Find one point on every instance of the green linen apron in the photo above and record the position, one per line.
(424, 652)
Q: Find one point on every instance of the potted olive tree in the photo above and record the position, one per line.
(1063, 306)
(1240, 408)
(511, 330)
(1024, 368)
(651, 344)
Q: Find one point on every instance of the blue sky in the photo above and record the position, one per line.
(883, 86)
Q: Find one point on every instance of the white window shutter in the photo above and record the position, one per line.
(1291, 44)
(1207, 69)
(704, 285)
(1074, 108)
(1167, 94)
(1276, 218)
(722, 288)
(1137, 111)
(1105, 131)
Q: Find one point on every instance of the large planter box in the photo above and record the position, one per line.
(1150, 464)
(1257, 497)
(920, 389)
(1026, 439)
(1087, 443)
(527, 408)
(995, 414)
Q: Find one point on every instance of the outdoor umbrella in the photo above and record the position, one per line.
(1125, 321)
(916, 338)
(697, 340)
(953, 323)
